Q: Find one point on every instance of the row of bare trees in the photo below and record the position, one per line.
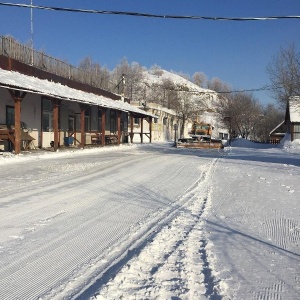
(284, 74)
(245, 116)
(240, 112)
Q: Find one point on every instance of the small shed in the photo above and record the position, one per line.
(278, 133)
(292, 117)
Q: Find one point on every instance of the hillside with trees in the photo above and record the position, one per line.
(189, 96)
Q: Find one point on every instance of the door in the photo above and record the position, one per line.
(71, 125)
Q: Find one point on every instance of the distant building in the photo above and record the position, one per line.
(162, 127)
(292, 117)
(277, 133)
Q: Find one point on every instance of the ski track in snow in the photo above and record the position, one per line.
(56, 239)
(174, 264)
(195, 225)
(257, 254)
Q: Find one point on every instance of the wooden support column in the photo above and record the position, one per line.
(119, 113)
(17, 102)
(142, 130)
(82, 124)
(56, 105)
(103, 110)
(131, 128)
(17, 125)
(150, 129)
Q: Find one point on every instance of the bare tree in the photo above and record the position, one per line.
(86, 64)
(188, 105)
(95, 74)
(156, 70)
(155, 93)
(185, 109)
(284, 73)
(240, 112)
(200, 79)
(216, 84)
(133, 73)
(103, 75)
(270, 118)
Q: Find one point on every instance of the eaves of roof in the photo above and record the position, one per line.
(21, 82)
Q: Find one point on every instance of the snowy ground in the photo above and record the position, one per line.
(151, 222)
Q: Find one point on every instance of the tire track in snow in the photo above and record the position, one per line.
(174, 263)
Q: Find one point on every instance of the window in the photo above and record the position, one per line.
(297, 136)
(113, 126)
(125, 123)
(87, 119)
(71, 124)
(297, 128)
(99, 120)
(296, 132)
(47, 119)
(10, 115)
(136, 121)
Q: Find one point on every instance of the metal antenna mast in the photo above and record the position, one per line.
(31, 31)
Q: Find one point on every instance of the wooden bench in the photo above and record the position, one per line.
(111, 139)
(96, 139)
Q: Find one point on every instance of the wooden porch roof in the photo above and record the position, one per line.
(17, 81)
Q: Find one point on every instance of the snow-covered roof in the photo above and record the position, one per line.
(15, 80)
(274, 129)
(294, 105)
(157, 107)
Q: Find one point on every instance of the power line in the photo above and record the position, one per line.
(146, 15)
(265, 88)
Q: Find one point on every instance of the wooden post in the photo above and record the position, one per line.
(103, 110)
(119, 126)
(131, 128)
(56, 104)
(142, 129)
(17, 125)
(82, 124)
(150, 129)
(17, 102)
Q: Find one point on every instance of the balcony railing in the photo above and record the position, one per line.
(25, 54)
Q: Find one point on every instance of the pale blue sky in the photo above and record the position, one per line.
(236, 52)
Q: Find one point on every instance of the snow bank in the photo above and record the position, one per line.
(244, 143)
(11, 158)
(285, 144)
(288, 146)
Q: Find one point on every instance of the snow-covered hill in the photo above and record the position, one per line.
(207, 98)
(180, 83)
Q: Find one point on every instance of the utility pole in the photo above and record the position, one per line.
(31, 31)
(122, 83)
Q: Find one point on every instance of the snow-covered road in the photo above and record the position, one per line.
(150, 222)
